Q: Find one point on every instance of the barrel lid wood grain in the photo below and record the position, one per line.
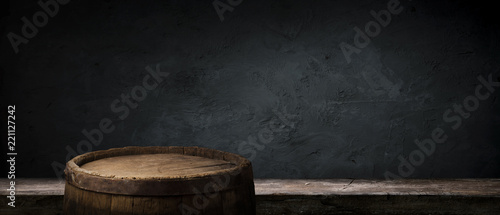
(157, 170)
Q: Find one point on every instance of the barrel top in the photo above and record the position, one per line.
(157, 170)
(156, 165)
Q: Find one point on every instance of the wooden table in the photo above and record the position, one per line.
(315, 196)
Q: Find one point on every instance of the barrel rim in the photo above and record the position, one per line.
(151, 186)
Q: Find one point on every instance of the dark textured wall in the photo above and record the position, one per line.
(269, 82)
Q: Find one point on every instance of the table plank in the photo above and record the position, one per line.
(442, 187)
(313, 196)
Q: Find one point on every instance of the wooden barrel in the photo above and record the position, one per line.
(159, 180)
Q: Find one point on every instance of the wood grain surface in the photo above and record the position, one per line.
(155, 165)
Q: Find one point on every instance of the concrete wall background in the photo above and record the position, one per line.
(269, 63)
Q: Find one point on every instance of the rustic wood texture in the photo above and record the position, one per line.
(156, 165)
(320, 196)
(151, 180)
(417, 187)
